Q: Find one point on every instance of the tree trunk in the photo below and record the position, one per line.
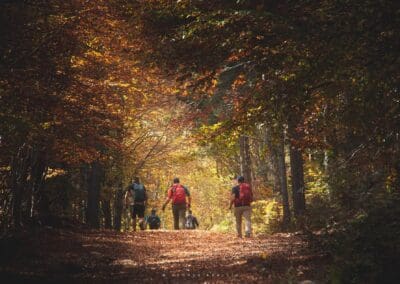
(118, 207)
(276, 144)
(16, 205)
(262, 165)
(38, 174)
(82, 211)
(272, 149)
(397, 181)
(245, 158)
(93, 198)
(297, 174)
(106, 206)
(19, 173)
(43, 207)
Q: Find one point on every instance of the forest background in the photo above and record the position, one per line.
(300, 97)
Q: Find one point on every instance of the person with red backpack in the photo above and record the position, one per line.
(241, 198)
(180, 197)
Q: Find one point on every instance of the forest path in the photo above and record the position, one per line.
(158, 257)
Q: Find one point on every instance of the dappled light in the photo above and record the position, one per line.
(154, 256)
(199, 141)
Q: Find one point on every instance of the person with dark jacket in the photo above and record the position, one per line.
(136, 197)
(153, 220)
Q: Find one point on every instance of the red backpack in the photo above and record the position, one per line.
(178, 194)
(245, 194)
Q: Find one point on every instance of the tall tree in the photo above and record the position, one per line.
(297, 172)
(245, 158)
(276, 143)
(94, 181)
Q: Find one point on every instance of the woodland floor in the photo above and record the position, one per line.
(88, 256)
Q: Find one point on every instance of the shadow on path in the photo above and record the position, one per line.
(155, 257)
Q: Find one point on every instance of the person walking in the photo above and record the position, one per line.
(153, 220)
(241, 198)
(180, 197)
(136, 197)
(191, 221)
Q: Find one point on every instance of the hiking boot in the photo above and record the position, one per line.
(247, 235)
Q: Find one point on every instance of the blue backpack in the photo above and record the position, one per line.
(139, 194)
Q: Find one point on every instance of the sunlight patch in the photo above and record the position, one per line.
(125, 262)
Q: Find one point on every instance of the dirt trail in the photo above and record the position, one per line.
(156, 257)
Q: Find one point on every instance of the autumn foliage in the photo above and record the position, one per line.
(300, 97)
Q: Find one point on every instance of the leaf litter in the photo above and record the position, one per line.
(194, 256)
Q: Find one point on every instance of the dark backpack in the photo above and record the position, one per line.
(245, 194)
(189, 224)
(154, 222)
(139, 194)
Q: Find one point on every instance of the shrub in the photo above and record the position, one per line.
(366, 249)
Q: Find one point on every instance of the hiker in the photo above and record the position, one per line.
(136, 196)
(181, 199)
(191, 221)
(241, 198)
(153, 220)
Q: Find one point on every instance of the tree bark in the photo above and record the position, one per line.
(93, 198)
(106, 206)
(397, 182)
(118, 207)
(82, 211)
(19, 173)
(38, 174)
(272, 149)
(262, 166)
(297, 174)
(276, 144)
(245, 158)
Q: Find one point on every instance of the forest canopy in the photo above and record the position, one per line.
(300, 97)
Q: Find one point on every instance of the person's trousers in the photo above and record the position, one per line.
(243, 211)
(179, 211)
